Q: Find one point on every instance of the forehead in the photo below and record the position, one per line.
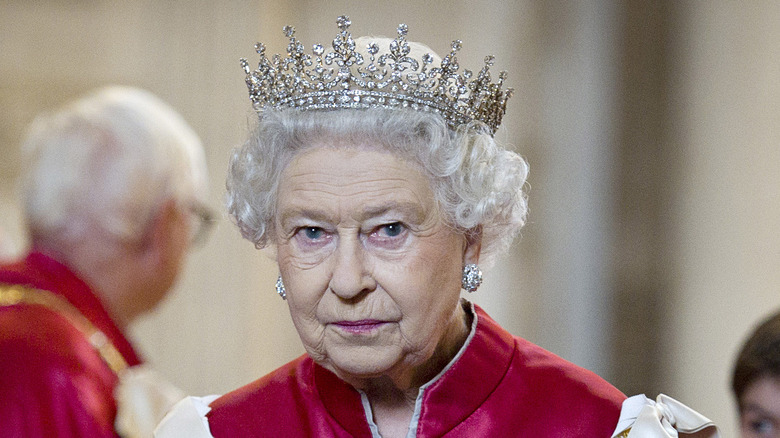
(763, 396)
(352, 177)
(766, 387)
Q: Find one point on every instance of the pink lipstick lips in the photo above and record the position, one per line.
(359, 327)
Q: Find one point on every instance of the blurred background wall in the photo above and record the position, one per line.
(651, 129)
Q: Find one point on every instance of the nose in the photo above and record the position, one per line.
(350, 276)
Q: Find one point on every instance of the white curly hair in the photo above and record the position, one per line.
(478, 184)
(109, 160)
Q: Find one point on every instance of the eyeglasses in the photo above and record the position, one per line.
(205, 222)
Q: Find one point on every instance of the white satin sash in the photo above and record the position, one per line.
(663, 418)
(187, 419)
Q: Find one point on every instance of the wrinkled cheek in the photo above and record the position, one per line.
(303, 316)
(422, 340)
(310, 331)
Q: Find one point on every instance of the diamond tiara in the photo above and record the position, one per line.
(347, 79)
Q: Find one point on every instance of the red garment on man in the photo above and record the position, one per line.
(500, 386)
(53, 383)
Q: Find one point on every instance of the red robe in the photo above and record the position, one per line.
(53, 383)
(500, 386)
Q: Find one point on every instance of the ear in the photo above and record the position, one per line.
(473, 245)
(159, 255)
(160, 235)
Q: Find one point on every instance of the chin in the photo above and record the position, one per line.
(358, 366)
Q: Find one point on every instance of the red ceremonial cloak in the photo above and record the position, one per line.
(498, 386)
(53, 382)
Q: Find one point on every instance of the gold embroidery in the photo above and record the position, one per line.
(11, 295)
(623, 434)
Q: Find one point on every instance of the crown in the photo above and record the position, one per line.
(345, 78)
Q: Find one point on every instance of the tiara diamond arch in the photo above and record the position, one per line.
(344, 77)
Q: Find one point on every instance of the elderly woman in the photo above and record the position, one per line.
(374, 175)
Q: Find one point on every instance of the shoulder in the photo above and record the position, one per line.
(267, 388)
(278, 391)
(553, 397)
(53, 375)
(543, 374)
(562, 376)
(41, 349)
(35, 335)
(571, 397)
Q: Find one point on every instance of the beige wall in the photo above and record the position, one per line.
(725, 240)
(709, 260)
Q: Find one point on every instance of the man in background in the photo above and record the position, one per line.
(113, 191)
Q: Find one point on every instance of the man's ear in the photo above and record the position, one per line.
(161, 231)
(473, 245)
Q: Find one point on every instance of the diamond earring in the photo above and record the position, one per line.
(472, 277)
(283, 293)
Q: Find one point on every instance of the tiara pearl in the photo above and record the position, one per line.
(343, 78)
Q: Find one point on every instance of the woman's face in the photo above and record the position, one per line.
(760, 416)
(372, 272)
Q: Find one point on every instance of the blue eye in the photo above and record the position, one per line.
(313, 232)
(761, 426)
(394, 229)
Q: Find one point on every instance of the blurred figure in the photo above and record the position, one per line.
(113, 195)
(756, 381)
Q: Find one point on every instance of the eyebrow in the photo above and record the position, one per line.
(308, 213)
(754, 408)
(410, 210)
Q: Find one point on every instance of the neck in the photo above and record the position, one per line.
(392, 408)
(393, 397)
(102, 268)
